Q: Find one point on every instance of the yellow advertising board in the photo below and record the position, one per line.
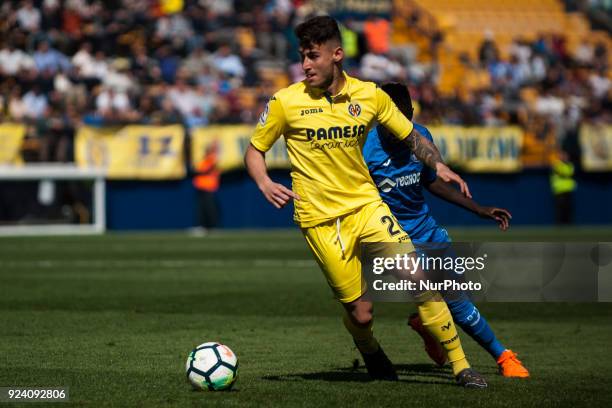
(480, 149)
(596, 146)
(475, 149)
(232, 142)
(11, 140)
(134, 151)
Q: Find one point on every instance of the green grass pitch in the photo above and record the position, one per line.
(113, 317)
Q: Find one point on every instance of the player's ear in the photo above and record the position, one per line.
(338, 54)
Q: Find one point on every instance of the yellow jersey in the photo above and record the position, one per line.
(324, 136)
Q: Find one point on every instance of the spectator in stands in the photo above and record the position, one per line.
(167, 114)
(48, 60)
(119, 77)
(35, 104)
(85, 64)
(196, 62)
(380, 68)
(124, 64)
(585, 53)
(600, 83)
(113, 105)
(224, 61)
(51, 15)
(14, 60)
(488, 52)
(183, 98)
(174, 27)
(16, 106)
(28, 17)
(168, 63)
(142, 65)
(601, 55)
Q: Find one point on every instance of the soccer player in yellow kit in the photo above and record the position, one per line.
(324, 120)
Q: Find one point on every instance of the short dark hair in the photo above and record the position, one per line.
(401, 96)
(317, 30)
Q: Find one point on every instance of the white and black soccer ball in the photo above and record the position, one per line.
(212, 366)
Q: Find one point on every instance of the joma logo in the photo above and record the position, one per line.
(310, 111)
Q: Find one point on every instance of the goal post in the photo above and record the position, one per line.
(57, 172)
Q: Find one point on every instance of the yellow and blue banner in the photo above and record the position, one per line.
(475, 149)
(596, 146)
(480, 149)
(232, 142)
(134, 151)
(11, 141)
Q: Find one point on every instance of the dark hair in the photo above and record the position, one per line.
(317, 30)
(401, 96)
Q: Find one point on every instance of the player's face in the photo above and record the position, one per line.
(318, 63)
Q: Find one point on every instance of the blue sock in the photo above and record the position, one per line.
(473, 323)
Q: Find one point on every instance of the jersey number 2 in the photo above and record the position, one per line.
(392, 227)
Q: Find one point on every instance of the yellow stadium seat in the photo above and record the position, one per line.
(464, 23)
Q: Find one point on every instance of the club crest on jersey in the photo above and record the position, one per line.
(354, 109)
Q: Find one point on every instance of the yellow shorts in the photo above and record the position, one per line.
(336, 245)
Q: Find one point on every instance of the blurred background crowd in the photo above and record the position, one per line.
(64, 63)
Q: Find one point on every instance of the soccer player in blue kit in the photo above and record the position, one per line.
(400, 178)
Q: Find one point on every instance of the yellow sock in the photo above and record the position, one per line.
(437, 319)
(363, 336)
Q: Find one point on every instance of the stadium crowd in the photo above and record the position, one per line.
(64, 63)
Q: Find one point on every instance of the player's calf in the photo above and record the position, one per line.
(432, 347)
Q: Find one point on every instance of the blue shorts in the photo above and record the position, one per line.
(433, 235)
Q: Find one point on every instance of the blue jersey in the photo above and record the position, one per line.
(400, 178)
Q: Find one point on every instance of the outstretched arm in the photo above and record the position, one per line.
(277, 194)
(446, 192)
(429, 154)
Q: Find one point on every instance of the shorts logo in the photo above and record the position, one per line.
(354, 109)
(446, 327)
(264, 115)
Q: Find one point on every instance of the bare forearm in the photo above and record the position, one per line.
(424, 149)
(255, 163)
(448, 193)
(277, 194)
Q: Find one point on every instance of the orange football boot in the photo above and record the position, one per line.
(432, 346)
(511, 366)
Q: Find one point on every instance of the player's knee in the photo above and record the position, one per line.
(362, 316)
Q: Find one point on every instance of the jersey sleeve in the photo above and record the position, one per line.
(270, 126)
(390, 116)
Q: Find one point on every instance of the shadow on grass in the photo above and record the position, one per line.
(408, 373)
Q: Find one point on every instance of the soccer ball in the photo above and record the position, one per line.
(212, 366)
